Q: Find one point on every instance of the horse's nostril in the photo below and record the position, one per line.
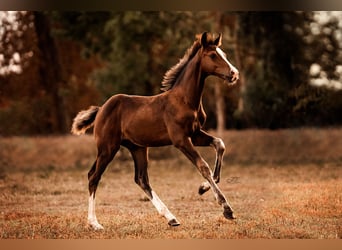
(234, 73)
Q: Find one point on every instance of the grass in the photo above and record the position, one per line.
(282, 184)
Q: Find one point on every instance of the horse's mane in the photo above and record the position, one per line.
(171, 76)
(173, 73)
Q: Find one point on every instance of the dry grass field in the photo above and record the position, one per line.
(282, 184)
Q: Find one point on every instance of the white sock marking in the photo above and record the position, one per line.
(92, 220)
(161, 207)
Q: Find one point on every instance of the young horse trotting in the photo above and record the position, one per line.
(174, 117)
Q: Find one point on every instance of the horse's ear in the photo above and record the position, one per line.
(218, 40)
(204, 39)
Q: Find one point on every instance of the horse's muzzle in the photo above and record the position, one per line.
(234, 76)
(231, 78)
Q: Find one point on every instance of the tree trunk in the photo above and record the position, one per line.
(220, 110)
(50, 72)
(220, 104)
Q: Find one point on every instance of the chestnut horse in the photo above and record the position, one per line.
(174, 117)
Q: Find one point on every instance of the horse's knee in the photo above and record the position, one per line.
(219, 145)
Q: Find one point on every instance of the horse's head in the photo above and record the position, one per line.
(214, 60)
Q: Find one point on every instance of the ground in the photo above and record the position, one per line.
(281, 184)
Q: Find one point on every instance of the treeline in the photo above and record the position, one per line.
(53, 64)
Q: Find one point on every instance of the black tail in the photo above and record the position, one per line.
(84, 120)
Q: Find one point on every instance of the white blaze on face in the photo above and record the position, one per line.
(221, 53)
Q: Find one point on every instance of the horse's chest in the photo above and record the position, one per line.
(190, 121)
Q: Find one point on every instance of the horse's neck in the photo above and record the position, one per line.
(191, 84)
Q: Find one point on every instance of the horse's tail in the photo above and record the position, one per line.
(84, 120)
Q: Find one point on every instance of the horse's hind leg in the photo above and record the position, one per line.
(204, 139)
(104, 156)
(140, 158)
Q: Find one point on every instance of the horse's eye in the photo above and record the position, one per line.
(212, 56)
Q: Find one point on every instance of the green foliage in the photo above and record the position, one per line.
(138, 47)
(87, 27)
(102, 53)
(278, 91)
(144, 45)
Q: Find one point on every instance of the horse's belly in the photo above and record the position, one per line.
(147, 134)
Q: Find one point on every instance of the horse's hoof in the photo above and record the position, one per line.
(173, 223)
(203, 188)
(96, 226)
(229, 215)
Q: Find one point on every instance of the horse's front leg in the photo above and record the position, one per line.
(201, 138)
(185, 145)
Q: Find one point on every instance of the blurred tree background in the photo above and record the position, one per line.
(53, 64)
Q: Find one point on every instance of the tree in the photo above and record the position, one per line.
(38, 96)
(51, 77)
(139, 47)
(278, 51)
(19, 88)
(290, 65)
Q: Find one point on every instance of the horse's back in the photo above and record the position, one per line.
(138, 119)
